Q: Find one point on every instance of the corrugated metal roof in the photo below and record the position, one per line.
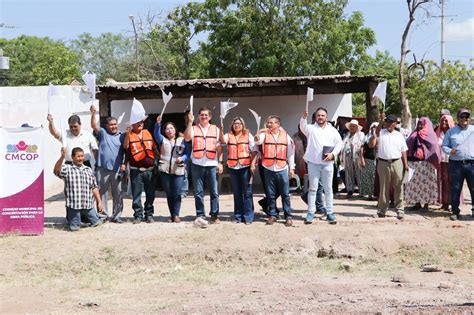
(235, 82)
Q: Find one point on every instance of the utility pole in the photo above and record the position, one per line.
(132, 19)
(442, 32)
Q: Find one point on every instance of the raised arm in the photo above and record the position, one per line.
(188, 133)
(304, 124)
(59, 163)
(52, 129)
(95, 127)
(157, 130)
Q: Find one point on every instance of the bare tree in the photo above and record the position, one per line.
(412, 5)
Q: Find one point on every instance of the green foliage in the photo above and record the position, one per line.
(38, 61)
(448, 87)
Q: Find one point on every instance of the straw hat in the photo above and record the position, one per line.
(354, 122)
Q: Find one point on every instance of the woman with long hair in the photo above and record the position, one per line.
(241, 163)
(173, 154)
(424, 156)
(446, 122)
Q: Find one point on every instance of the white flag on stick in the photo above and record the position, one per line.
(89, 79)
(166, 99)
(257, 119)
(63, 133)
(309, 96)
(381, 92)
(191, 100)
(226, 106)
(52, 91)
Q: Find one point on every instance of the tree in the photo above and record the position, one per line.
(449, 86)
(38, 61)
(108, 55)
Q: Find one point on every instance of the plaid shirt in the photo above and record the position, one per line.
(79, 182)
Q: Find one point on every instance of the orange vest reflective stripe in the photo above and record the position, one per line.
(141, 148)
(207, 144)
(275, 151)
(238, 150)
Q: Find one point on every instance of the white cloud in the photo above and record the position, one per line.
(460, 31)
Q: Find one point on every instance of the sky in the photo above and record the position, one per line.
(66, 19)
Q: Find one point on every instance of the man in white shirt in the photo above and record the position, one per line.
(278, 161)
(206, 162)
(324, 143)
(391, 164)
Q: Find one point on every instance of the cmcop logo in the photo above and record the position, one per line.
(21, 152)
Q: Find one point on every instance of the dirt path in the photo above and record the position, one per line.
(362, 264)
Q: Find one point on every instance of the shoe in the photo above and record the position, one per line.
(454, 217)
(97, 223)
(309, 218)
(72, 229)
(118, 221)
(149, 219)
(271, 220)
(248, 223)
(137, 221)
(288, 222)
(331, 218)
(350, 193)
(200, 222)
(400, 215)
(381, 214)
(215, 219)
(177, 219)
(425, 207)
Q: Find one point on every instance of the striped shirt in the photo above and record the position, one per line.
(79, 182)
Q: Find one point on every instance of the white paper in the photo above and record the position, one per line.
(381, 91)
(191, 100)
(89, 79)
(309, 95)
(120, 118)
(226, 106)
(137, 113)
(467, 146)
(257, 119)
(166, 99)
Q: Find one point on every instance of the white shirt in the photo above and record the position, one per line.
(444, 156)
(253, 148)
(84, 140)
(390, 145)
(204, 161)
(318, 138)
(290, 152)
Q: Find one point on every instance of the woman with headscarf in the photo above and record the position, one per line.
(424, 156)
(446, 122)
(367, 164)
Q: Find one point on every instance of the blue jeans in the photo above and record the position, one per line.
(185, 187)
(73, 217)
(142, 181)
(242, 189)
(200, 174)
(319, 198)
(458, 171)
(107, 178)
(172, 184)
(278, 182)
(317, 172)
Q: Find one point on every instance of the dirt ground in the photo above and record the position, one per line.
(361, 265)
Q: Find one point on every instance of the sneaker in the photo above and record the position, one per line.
(137, 221)
(381, 214)
(215, 219)
(248, 223)
(400, 215)
(97, 223)
(309, 218)
(288, 222)
(149, 219)
(271, 220)
(331, 218)
(200, 222)
(72, 229)
(118, 221)
(454, 217)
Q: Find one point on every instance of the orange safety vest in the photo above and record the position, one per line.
(275, 151)
(207, 144)
(238, 150)
(141, 148)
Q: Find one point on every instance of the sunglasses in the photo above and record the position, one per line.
(464, 116)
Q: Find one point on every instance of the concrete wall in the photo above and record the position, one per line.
(20, 105)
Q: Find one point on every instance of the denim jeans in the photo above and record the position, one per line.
(317, 172)
(107, 178)
(142, 181)
(185, 187)
(200, 174)
(172, 185)
(242, 190)
(319, 198)
(73, 217)
(458, 171)
(278, 182)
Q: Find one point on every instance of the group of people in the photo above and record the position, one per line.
(198, 153)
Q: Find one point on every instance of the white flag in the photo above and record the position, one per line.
(89, 79)
(226, 106)
(309, 95)
(257, 119)
(191, 100)
(63, 133)
(381, 91)
(166, 99)
(53, 91)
